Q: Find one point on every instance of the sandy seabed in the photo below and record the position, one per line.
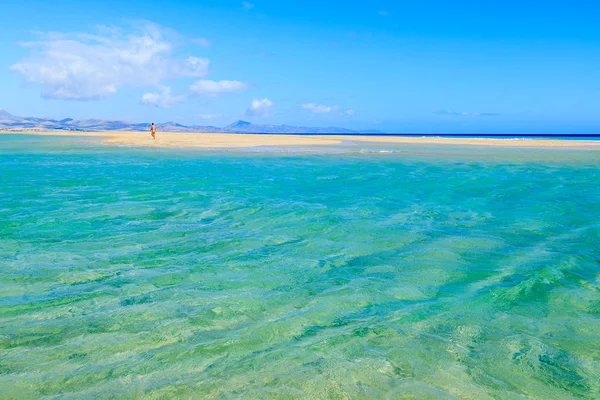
(225, 140)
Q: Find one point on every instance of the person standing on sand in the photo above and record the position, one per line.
(153, 131)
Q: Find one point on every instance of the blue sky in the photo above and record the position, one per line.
(427, 66)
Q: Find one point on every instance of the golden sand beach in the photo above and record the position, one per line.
(229, 140)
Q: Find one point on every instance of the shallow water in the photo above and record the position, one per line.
(375, 272)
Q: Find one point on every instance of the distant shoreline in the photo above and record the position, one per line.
(241, 140)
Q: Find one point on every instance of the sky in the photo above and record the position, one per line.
(396, 66)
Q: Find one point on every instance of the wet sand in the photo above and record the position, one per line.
(225, 140)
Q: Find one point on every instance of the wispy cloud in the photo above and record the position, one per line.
(319, 108)
(466, 114)
(324, 109)
(213, 88)
(358, 35)
(203, 42)
(259, 108)
(211, 116)
(162, 99)
(247, 5)
(87, 66)
(384, 13)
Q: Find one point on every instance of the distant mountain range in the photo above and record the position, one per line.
(9, 122)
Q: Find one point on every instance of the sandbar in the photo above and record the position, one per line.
(233, 140)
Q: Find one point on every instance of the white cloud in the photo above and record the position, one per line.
(384, 13)
(194, 67)
(323, 109)
(162, 99)
(259, 108)
(319, 108)
(212, 116)
(213, 88)
(204, 42)
(466, 114)
(247, 6)
(84, 66)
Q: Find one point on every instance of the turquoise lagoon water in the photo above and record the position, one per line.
(368, 272)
